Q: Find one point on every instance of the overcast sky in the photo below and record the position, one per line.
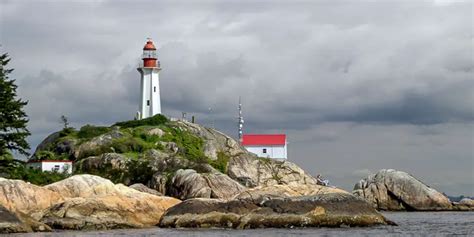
(356, 85)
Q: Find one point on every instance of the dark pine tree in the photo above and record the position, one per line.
(13, 120)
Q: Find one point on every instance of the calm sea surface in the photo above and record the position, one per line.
(410, 224)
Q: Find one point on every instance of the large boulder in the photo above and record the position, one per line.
(18, 195)
(97, 144)
(324, 210)
(465, 204)
(214, 141)
(133, 210)
(15, 222)
(106, 160)
(396, 190)
(112, 166)
(467, 201)
(261, 193)
(11, 223)
(79, 202)
(96, 203)
(145, 189)
(189, 184)
(48, 141)
(252, 171)
(84, 185)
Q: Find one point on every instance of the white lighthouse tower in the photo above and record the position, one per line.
(150, 103)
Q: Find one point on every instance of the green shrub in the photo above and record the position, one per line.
(130, 144)
(90, 131)
(142, 132)
(6, 156)
(132, 155)
(151, 121)
(67, 132)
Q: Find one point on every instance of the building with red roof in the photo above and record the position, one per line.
(266, 145)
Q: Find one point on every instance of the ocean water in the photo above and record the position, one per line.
(409, 224)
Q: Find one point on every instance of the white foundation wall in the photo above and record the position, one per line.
(277, 152)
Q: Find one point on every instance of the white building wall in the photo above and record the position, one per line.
(150, 103)
(51, 166)
(277, 152)
(155, 93)
(57, 166)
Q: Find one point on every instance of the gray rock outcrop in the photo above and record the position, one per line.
(467, 202)
(97, 144)
(396, 190)
(145, 189)
(190, 184)
(214, 141)
(11, 223)
(261, 193)
(324, 210)
(252, 171)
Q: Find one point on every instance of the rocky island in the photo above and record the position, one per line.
(392, 190)
(157, 172)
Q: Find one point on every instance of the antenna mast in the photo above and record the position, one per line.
(241, 120)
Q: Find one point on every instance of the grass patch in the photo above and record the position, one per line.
(90, 131)
(131, 144)
(132, 155)
(191, 146)
(151, 121)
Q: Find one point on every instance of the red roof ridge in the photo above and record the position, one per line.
(263, 139)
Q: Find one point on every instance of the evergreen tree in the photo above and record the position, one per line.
(13, 119)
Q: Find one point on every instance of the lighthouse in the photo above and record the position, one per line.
(149, 69)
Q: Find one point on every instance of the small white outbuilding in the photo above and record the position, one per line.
(266, 145)
(60, 166)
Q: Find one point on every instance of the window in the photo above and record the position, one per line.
(148, 102)
(264, 150)
(154, 89)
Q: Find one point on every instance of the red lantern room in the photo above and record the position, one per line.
(149, 55)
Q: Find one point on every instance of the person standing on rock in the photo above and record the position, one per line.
(322, 181)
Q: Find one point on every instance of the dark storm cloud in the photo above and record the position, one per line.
(340, 77)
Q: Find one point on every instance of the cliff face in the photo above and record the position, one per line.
(176, 158)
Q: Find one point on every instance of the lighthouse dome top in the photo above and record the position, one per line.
(149, 45)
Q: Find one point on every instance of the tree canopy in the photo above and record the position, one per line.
(13, 120)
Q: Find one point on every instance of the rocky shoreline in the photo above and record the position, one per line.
(180, 174)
